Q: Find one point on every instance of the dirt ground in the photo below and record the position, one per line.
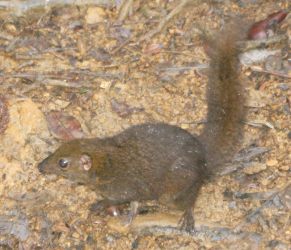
(87, 71)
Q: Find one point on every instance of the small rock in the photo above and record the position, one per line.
(271, 162)
(257, 99)
(265, 182)
(273, 62)
(95, 15)
(76, 235)
(254, 168)
(232, 205)
(153, 49)
(283, 86)
(185, 126)
(106, 85)
(62, 104)
(110, 238)
(26, 119)
(284, 168)
(11, 28)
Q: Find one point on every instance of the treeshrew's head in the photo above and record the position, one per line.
(72, 160)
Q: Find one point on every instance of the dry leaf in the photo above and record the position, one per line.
(123, 109)
(64, 126)
(265, 28)
(153, 49)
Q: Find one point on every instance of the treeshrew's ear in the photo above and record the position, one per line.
(86, 162)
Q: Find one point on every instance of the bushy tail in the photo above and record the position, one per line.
(223, 130)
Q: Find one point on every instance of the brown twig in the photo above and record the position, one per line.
(61, 75)
(125, 9)
(253, 44)
(275, 73)
(113, 52)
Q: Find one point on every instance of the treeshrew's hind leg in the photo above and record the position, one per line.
(132, 213)
(186, 200)
(186, 222)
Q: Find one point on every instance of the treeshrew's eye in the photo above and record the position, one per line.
(63, 163)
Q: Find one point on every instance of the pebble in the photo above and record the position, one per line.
(272, 163)
(61, 104)
(185, 126)
(283, 86)
(284, 168)
(106, 85)
(254, 168)
(95, 15)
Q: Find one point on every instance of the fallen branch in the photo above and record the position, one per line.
(62, 75)
(254, 215)
(125, 9)
(275, 73)
(262, 43)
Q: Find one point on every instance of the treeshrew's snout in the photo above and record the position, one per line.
(41, 166)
